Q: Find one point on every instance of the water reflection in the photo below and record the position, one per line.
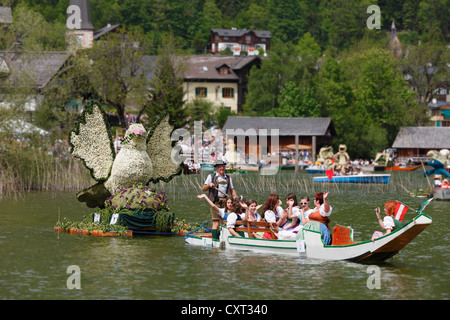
(35, 259)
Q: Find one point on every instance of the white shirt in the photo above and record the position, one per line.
(270, 216)
(322, 211)
(388, 222)
(307, 212)
(223, 214)
(280, 211)
(222, 184)
(231, 220)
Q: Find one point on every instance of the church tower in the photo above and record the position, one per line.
(82, 30)
(394, 44)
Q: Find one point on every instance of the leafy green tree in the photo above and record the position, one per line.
(295, 101)
(211, 18)
(265, 84)
(307, 46)
(118, 71)
(345, 22)
(255, 17)
(425, 68)
(286, 20)
(167, 91)
(29, 31)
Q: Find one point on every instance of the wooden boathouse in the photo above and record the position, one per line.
(257, 134)
(415, 142)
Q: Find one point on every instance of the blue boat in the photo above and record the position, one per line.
(315, 169)
(366, 178)
(205, 166)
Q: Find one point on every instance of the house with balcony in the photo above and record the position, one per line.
(240, 41)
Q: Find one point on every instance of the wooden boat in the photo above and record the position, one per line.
(397, 168)
(364, 178)
(313, 246)
(441, 193)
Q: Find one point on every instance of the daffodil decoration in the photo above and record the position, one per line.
(135, 130)
(144, 157)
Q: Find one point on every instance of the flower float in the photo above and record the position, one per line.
(144, 157)
(121, 194)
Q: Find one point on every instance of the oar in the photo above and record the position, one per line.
(221, 191)
(426, 175)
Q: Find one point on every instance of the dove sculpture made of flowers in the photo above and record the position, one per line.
(144, 156)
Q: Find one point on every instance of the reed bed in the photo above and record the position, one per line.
(254, 185)
(32, 169)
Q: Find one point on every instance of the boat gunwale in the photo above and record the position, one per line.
(325, 246)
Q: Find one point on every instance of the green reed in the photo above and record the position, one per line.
(255, 185)
(28, 168)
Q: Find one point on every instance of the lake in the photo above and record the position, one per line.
(34, 259)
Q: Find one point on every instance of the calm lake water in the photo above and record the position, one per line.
(34, 259)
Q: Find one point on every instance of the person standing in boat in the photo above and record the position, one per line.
(389, 223)
(218, 185)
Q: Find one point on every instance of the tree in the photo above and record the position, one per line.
(307, 46)
(265, 84)
(30, 32)
(167, 91)
(118, 71)
(286, 20)
(425, 68)
(295, 101)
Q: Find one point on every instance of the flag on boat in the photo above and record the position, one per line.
(423, 206)
(329, 174)
(400, 210)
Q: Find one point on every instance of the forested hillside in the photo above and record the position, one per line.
(324, 60)
(334, 24)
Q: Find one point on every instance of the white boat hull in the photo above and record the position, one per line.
(441, 193)
(365, 178)
(378, 250)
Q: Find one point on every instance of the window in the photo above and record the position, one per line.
(224, 70)
(79, 38)
(227, 92)
(201, 92)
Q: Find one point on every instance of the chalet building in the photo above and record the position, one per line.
(240, 40)
(294, 134)
(219, 79)
(415, 142)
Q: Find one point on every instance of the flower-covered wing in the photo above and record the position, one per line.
(91, 142)
(160, 151)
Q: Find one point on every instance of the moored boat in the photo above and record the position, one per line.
(363, 178)
(316, 169)
(205, 166)
(441, 193)
(398, 168)
(312, 246)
